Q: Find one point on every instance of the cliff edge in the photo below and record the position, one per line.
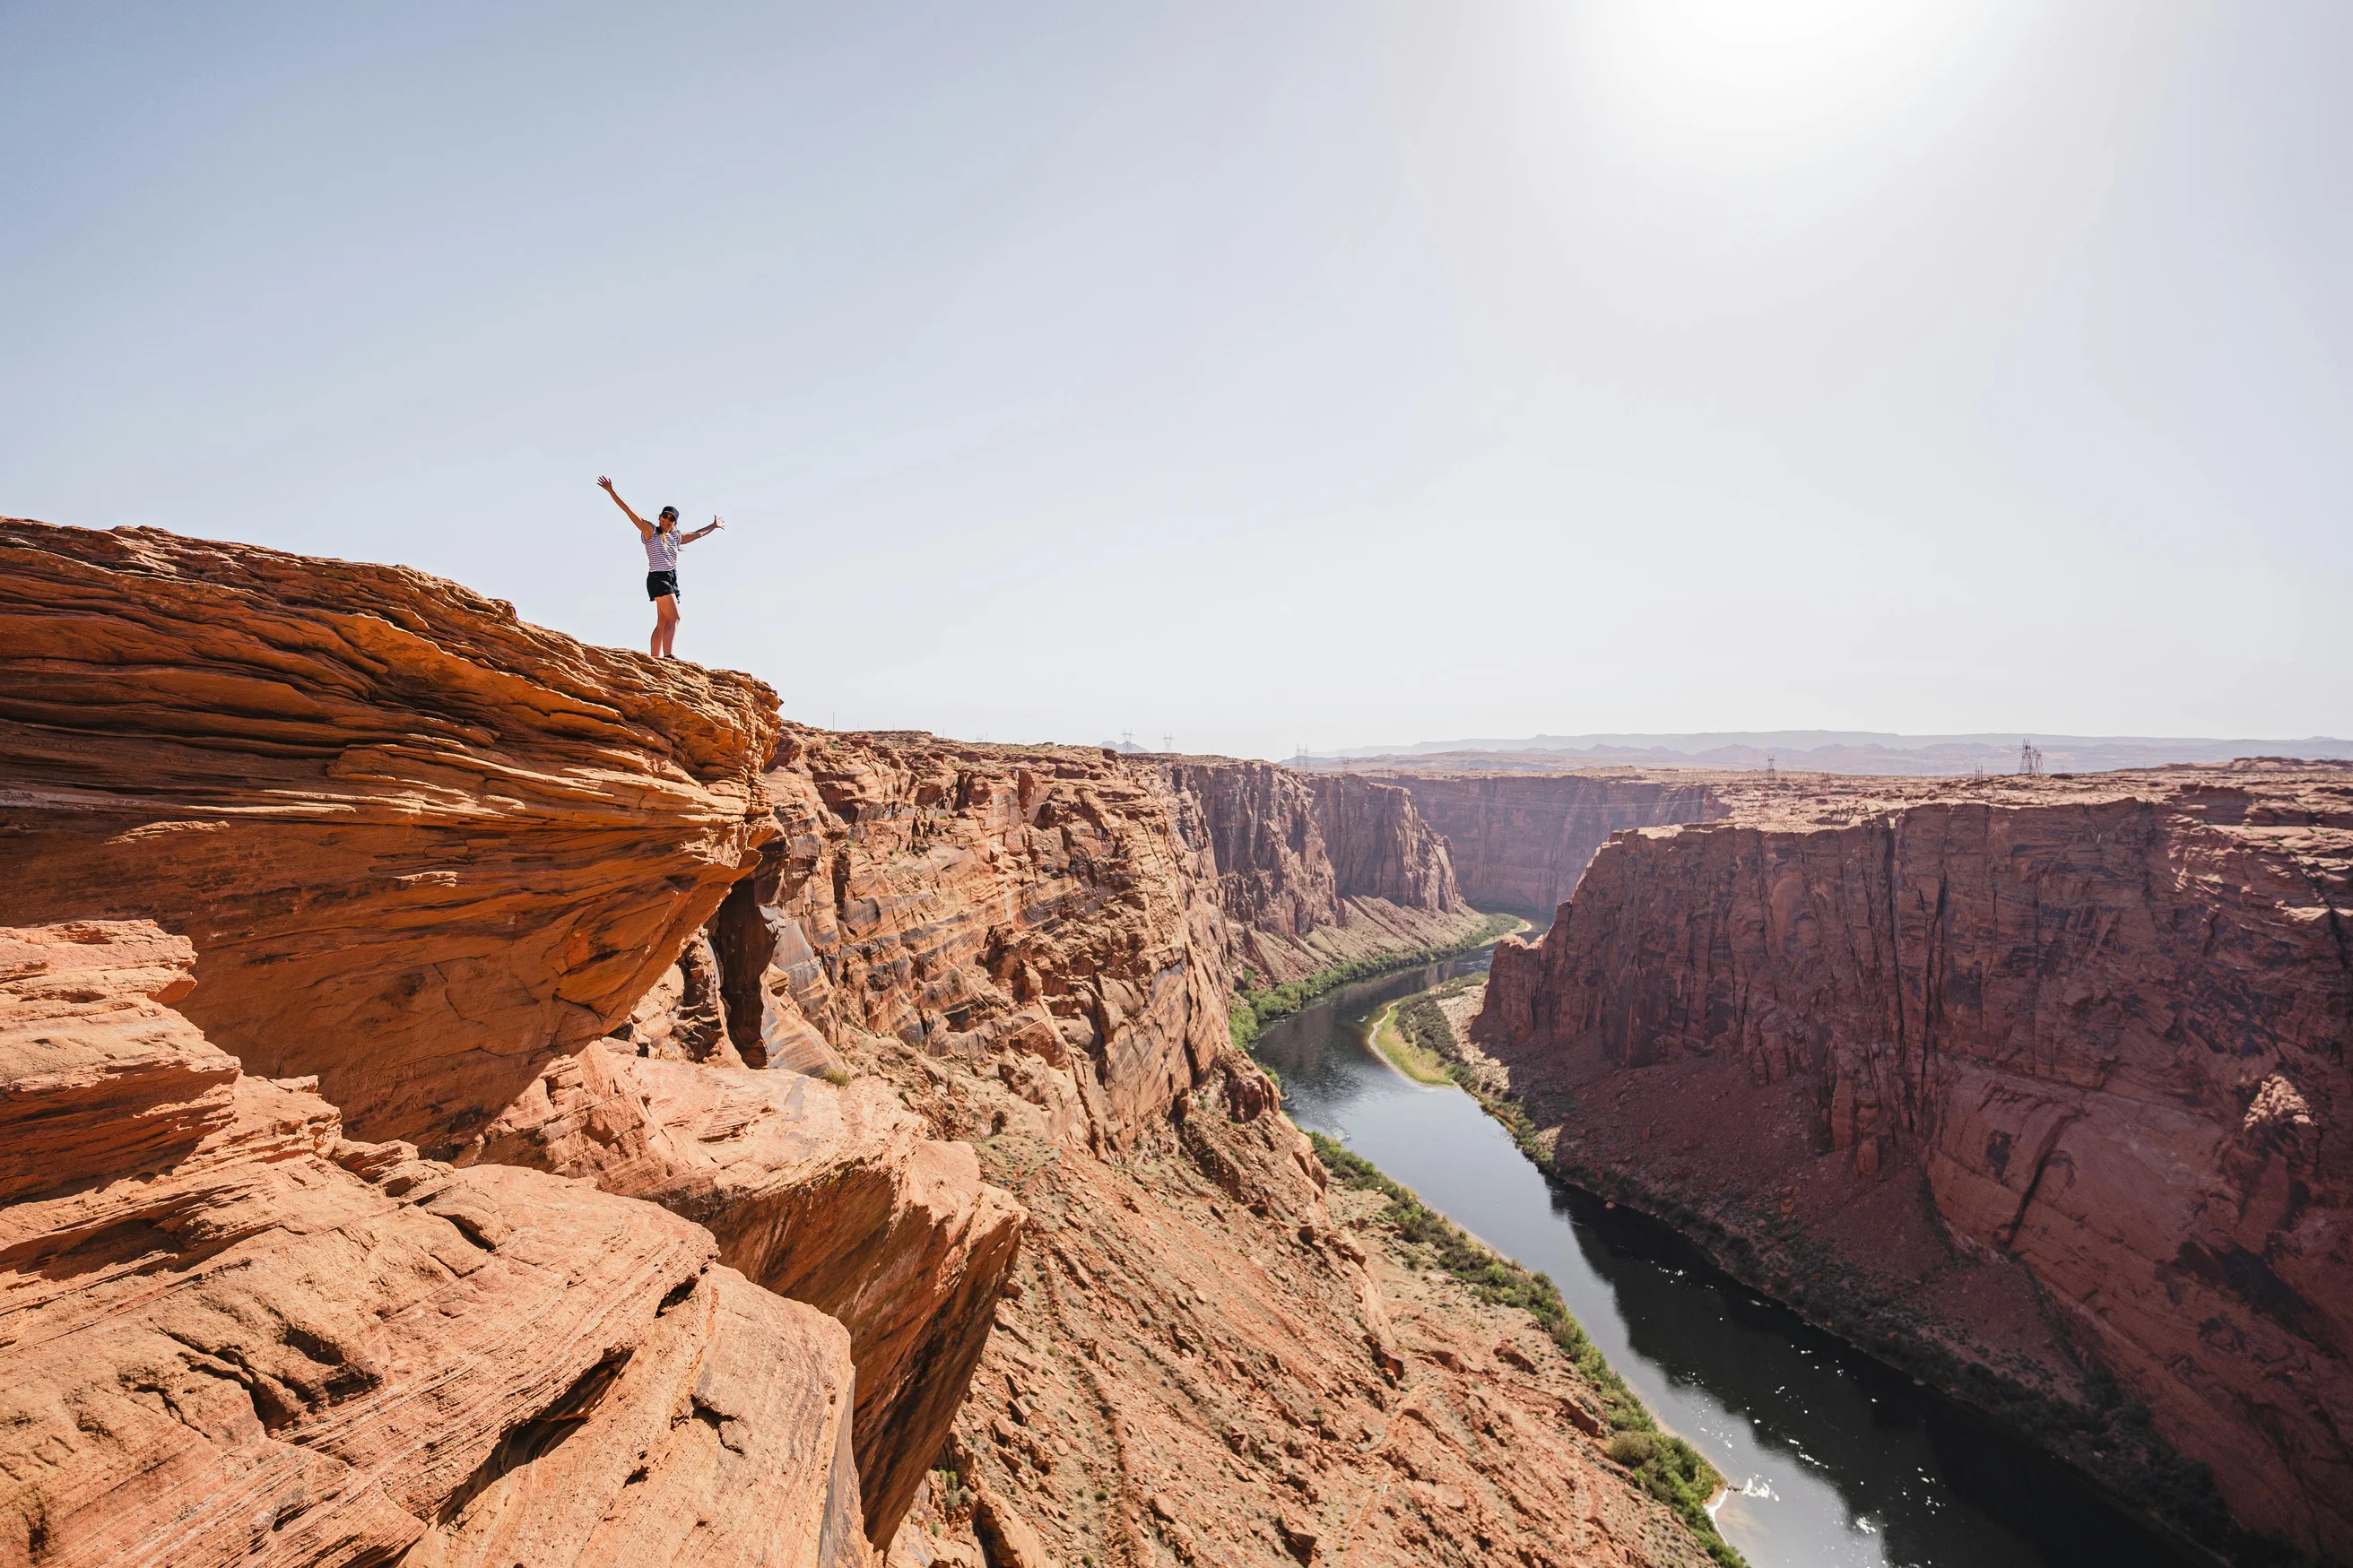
(422, 848)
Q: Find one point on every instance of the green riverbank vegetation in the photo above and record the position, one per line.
(1254, 1007)
(1666, 1466)
(1422, 1028)
(1421, 1042)
(1418, 1063)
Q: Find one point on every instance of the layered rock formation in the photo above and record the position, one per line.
(431, 856)
(232, 1336)
(2029, 1083)
(1032, 946)
(969, 902)
(1316, 871)
(830, 1195)
(421, 847)
(1380, 846)
(1520, 843)
(533, 905)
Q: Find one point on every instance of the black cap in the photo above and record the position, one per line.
(671, 513)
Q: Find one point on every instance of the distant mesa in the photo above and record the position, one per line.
(1821, 750)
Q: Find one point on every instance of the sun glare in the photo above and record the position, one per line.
(1765, 73)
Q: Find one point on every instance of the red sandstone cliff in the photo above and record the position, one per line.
(1380, 846)
(421, 847)
(461, 868)
(431, 857)
(1521, 842)
(964, 900)
(2033, 1084)
(1315, 871)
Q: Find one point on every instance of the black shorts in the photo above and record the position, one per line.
(661, 583)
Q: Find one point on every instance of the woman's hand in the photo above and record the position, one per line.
(604, 483)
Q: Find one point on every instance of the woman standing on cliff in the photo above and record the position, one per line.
(663, 542)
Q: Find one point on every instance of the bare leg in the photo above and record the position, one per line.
(665, 626)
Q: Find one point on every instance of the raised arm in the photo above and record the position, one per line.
(714, 526)
(645, 529)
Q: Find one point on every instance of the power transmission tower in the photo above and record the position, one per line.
(1772, 774)
(2029, 761)
(1126, 739)
(1168, 743)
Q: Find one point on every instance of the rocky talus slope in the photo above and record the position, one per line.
(1205, 1357)
(586, 1135)
(2037, 1086)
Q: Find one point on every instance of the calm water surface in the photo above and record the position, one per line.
(1836, 1460)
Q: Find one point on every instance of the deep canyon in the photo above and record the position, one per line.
(471, 1098)
(468, 1097)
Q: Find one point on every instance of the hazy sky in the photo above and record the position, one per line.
(1256, 373)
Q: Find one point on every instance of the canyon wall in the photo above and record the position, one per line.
(1521, 842)
(2037, 1085)
(1031, 947)
(1317, 871)
(961, 900)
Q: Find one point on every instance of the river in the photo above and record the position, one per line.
(1835, 1460)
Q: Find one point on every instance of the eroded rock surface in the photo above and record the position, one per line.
(1313, 871)
(2031, 1083)
(830, 1195)
(420, 845)
(1042, 909)
(229, 1335)
(1207, 1358)
(1032, 948)
(1521, 842)
(459, 869)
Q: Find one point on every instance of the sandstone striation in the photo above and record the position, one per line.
(832, 1195)
(232, 1336)
(1039, 909)
(1031, 946)
(443, 934)
(420, 845)
(2029, 1083)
